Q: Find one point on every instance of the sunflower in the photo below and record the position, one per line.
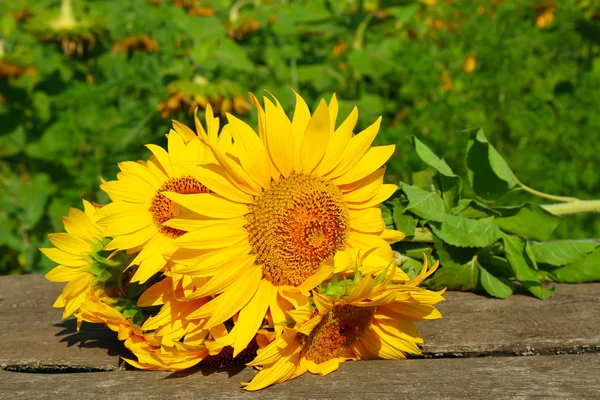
(139, 210)
(366, 319)
(78, 253)
(286, 209)
(181, 342)
(148, 347)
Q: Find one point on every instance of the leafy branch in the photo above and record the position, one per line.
(482, 246)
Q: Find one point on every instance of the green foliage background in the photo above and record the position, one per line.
(67, 119)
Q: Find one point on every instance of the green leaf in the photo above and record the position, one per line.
(415, 250)
(12, 143)
(562, 252)
(465, 232)
(586, 269)
(495, 286)
(524, 266)
(431, 159)
(458, 270)
(32, 197)
(232, 55)
(471, 208)
(386, 214)
(423, 179)
(496, 264)
(456, 277)
(450, 187)
(529, 220)
(427, 205)
(489, 174)
(403, 14)
(404, 223)
(411, 267)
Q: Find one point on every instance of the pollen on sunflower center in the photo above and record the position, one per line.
(299, 222)
(163, 209)
(337, 331)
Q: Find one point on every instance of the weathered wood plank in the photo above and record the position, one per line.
(33, 333)
(569, 322)
(545, 377)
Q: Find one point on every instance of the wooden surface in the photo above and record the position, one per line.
(542, 377)
(34, 339)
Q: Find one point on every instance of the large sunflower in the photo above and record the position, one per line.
(357, 319)
(139, 210)
(287, 208)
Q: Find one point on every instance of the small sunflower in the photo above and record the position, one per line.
(147, 346)
(136, 219)
(356, 319)
(286, 209)
(78, 253)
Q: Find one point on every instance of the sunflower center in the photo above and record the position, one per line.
(337, 331)
(163, 209)
(299, 222)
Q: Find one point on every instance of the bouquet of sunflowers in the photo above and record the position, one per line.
(231, 247)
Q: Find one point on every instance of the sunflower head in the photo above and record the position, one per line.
(359, 317)
(83, 262)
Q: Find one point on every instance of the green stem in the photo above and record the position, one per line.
(422, 235)
(579, 206)
(548, 196)
(359, 38)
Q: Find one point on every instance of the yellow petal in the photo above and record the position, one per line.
(407, 311)
(132, 240)
(271, 353)
(360, 291)
(316, 138)
(222, 281)
(63, 258)
(209, 204)
(253, 155)
(337, 145)
(63, 274)
(232, 300)
(333, 112)
(368, 220)
(279, 372)
(280, 140)
(214, 261)
(122, 224)
(156, 294)
(213, 176)
(326, 367)
(365, 188)
(70, 243)
(392, 236)
(251, 316)
(162, 157)
(235, 173)
(208, 238)
(299, 123)
(356, 149)
(384, 193)
(375, 158)
(182, 130)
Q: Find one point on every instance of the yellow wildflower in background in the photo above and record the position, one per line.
(469, 64)
(545, 17)
(287, 208)
(373, 320)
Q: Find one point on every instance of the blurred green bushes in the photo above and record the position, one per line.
(85, 88)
